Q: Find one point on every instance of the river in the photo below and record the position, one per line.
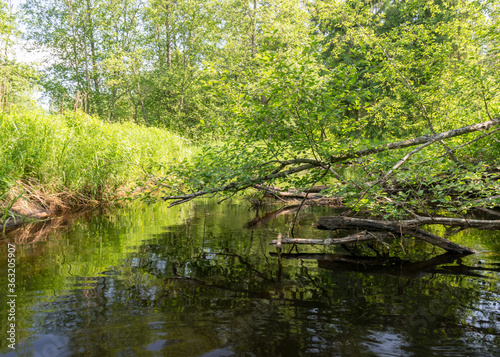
(202, 280)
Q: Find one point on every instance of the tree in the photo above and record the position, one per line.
(16, 79)
(415, 79)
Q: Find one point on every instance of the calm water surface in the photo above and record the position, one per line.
(202, 280)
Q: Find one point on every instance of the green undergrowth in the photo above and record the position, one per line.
(79, 155)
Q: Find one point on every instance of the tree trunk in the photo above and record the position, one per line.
(74, 42)
(410, 229)
(167, 26)
(95, 73)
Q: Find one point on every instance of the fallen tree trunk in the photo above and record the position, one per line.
(417, 141)
(310, 197)
(354, 238)
(348, 222)
(410, 229)
(454, 222)
(311, 193)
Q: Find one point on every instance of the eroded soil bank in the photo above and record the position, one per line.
(30, 204)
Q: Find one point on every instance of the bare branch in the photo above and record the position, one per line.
(236, 186)
(417, 141)
(354, 238)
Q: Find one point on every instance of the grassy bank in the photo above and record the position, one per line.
(77, 159)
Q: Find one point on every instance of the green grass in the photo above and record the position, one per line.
(81, 155)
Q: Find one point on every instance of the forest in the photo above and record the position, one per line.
(250, 178)
(390, 107)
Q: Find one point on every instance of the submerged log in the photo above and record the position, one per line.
(409, 228)
(452, 222)
(338, 222)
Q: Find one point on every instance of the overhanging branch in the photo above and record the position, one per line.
(417, 141)
(308, 164)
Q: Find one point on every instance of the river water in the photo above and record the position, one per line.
(202, 280)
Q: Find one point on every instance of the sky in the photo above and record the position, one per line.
(21, 53)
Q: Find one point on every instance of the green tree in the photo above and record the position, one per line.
(419, 78)
(16, 79)
(68, 30)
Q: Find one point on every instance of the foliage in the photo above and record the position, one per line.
(150, 62)
(17, 80)
(365, 77)
(286, 89)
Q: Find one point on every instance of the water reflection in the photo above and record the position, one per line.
(393, 266)
(193, 281)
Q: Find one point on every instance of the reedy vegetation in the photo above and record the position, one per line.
(69, 157)
(80, 156)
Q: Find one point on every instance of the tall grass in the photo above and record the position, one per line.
(79, 154)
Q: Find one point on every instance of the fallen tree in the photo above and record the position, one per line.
(284, 168)
(408, 228)
(377, 231)
(270, 171)
(302, 118)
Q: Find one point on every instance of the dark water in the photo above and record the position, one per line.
(201, 281)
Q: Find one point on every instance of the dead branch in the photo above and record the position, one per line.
(237, 186)
(417, 141)
(409, 228)
(354, 238)
(487, 199)
(312, 193)
(454, 222)
(338, 222)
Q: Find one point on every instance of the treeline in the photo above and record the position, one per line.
(179, 64)
(152, 61)
(17, 79)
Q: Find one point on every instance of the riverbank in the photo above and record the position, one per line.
(51, 164)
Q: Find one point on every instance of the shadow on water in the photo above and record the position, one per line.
(193, 281)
